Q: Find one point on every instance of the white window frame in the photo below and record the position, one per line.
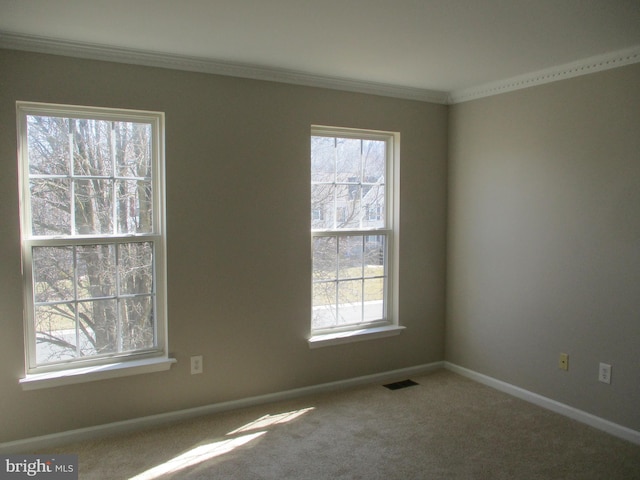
(389, 325)
(116, 364)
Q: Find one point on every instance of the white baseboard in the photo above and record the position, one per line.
(49, 441)
(561, 408)
(56, 439)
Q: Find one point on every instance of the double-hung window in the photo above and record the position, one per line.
(93, 242)
(353, 233)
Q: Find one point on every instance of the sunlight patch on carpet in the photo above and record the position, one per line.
(196, 455)
(202, 453)
(269, 420)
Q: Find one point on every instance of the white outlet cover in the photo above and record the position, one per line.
(604, 374)
(196, 364)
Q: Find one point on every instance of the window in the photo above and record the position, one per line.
(352, 175)
(92, 212)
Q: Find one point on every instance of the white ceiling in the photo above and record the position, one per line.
(435, 45)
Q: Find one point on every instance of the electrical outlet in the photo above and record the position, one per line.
(196, 364)
(604, 373)
(563, 362)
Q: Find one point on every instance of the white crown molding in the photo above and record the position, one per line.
(593, 64)
(52, 46)
(91, 51)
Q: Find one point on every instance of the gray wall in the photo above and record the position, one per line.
(238, 238)
(543, 252)
(544, 240)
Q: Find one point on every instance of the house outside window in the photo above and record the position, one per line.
(317, 214)
(93, 242)
(352, 180)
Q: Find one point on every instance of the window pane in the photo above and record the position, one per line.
(92, 149)
(50, 206)
(323, 159)
(102, 328)
(136, 268)
(138, 330)
(53, 278)
(374, 206)
(96, 266)
(373, 299)
(350, 256)
(324, 258)
(133, 147)
(348, 160)
(51, 141)
(48, 144)
(322, 206)
(374, 289)
(55, 333)
(350, 302)
(374, 253)
(324, 305)
(373, 158)
(93, 207)
(348, 201)
(98, 333)
(135, 206)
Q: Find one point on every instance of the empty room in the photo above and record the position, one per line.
(340, 239)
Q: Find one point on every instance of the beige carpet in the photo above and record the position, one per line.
(447, 427)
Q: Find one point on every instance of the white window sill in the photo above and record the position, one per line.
(328, 339)
(97, 372)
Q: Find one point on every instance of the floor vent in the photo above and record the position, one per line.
(401, 384)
